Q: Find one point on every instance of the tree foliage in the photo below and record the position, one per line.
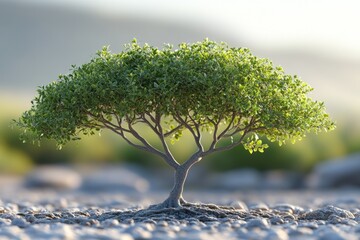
(200, 87)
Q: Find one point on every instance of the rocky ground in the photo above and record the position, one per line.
(48, 214)
(111, 204)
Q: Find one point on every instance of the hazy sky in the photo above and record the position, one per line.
(314, 24)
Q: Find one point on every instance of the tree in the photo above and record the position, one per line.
(205, 87)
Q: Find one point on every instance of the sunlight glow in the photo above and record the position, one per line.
(321, 24)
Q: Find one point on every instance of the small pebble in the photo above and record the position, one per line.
(277, 234)
(259, 206)
(110, 223)
(276, 220)
(311, 225)
(162, 224)
(257, 223)
(19, 222)
(239, 205)
(301, 231)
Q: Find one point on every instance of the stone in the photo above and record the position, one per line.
(90, 233)
(257, 223)
(239, 205)
(236, 179)
(174, 228)
(12, 207)
(162, 224)
(277, 234)
(310, 225)
(13, 232)
(276, 220)
(110, 223)
(341, 172)
(259, 206)
(253, 234)
(51, 176)
(5, 222)
(147, 226)
(287, 208)
(115, 178)
(163, 236)
(63, 230)
(277, 179)
(330, 234)
(327, 212)
(19, 222)
(138, 232)
(300, 231)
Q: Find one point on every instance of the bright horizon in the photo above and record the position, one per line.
(316, 25)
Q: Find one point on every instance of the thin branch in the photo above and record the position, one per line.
(196, 135)
(151, 117)
(146, 121)
(149, 147)
(170, 158)
(222, 134)
(258, 128)
(215, 136)
(172, 131)
(120, 130)
(196, 125)
(237, 130)
(135, 145)
(228, 147)
(246, 130)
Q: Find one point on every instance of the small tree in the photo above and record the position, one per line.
(201, 87)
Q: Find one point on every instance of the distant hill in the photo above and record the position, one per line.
(38, 42)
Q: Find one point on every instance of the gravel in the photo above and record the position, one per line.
(267, 215)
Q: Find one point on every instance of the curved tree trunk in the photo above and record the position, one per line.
(175, 198)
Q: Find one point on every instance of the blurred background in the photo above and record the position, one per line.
(316, 40)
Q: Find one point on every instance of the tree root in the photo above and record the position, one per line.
(201, 212)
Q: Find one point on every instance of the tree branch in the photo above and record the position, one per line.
(215, 136)
(170, 132)
(196, 135)
(222, 134)
(228, 147)
(247, 129)
(196, 125)
(146, 121)
(147, 145)
(120, 130)
(170, 158)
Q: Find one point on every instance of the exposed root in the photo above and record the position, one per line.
(199, 211)
(207, 206)
(168, 203)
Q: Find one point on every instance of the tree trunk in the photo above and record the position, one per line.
(175, 198)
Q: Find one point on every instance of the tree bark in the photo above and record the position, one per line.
(175, 198)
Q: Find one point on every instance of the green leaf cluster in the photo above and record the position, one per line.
(207, 82)
(254, 144)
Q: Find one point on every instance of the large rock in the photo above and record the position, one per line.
(326, 212)
(53, 176)
(279, 179)
(236, 179)
(252, 179)
(337, 173)
(115, 178)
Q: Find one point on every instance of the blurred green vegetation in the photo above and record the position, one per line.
(17, 157)
(300, 157)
